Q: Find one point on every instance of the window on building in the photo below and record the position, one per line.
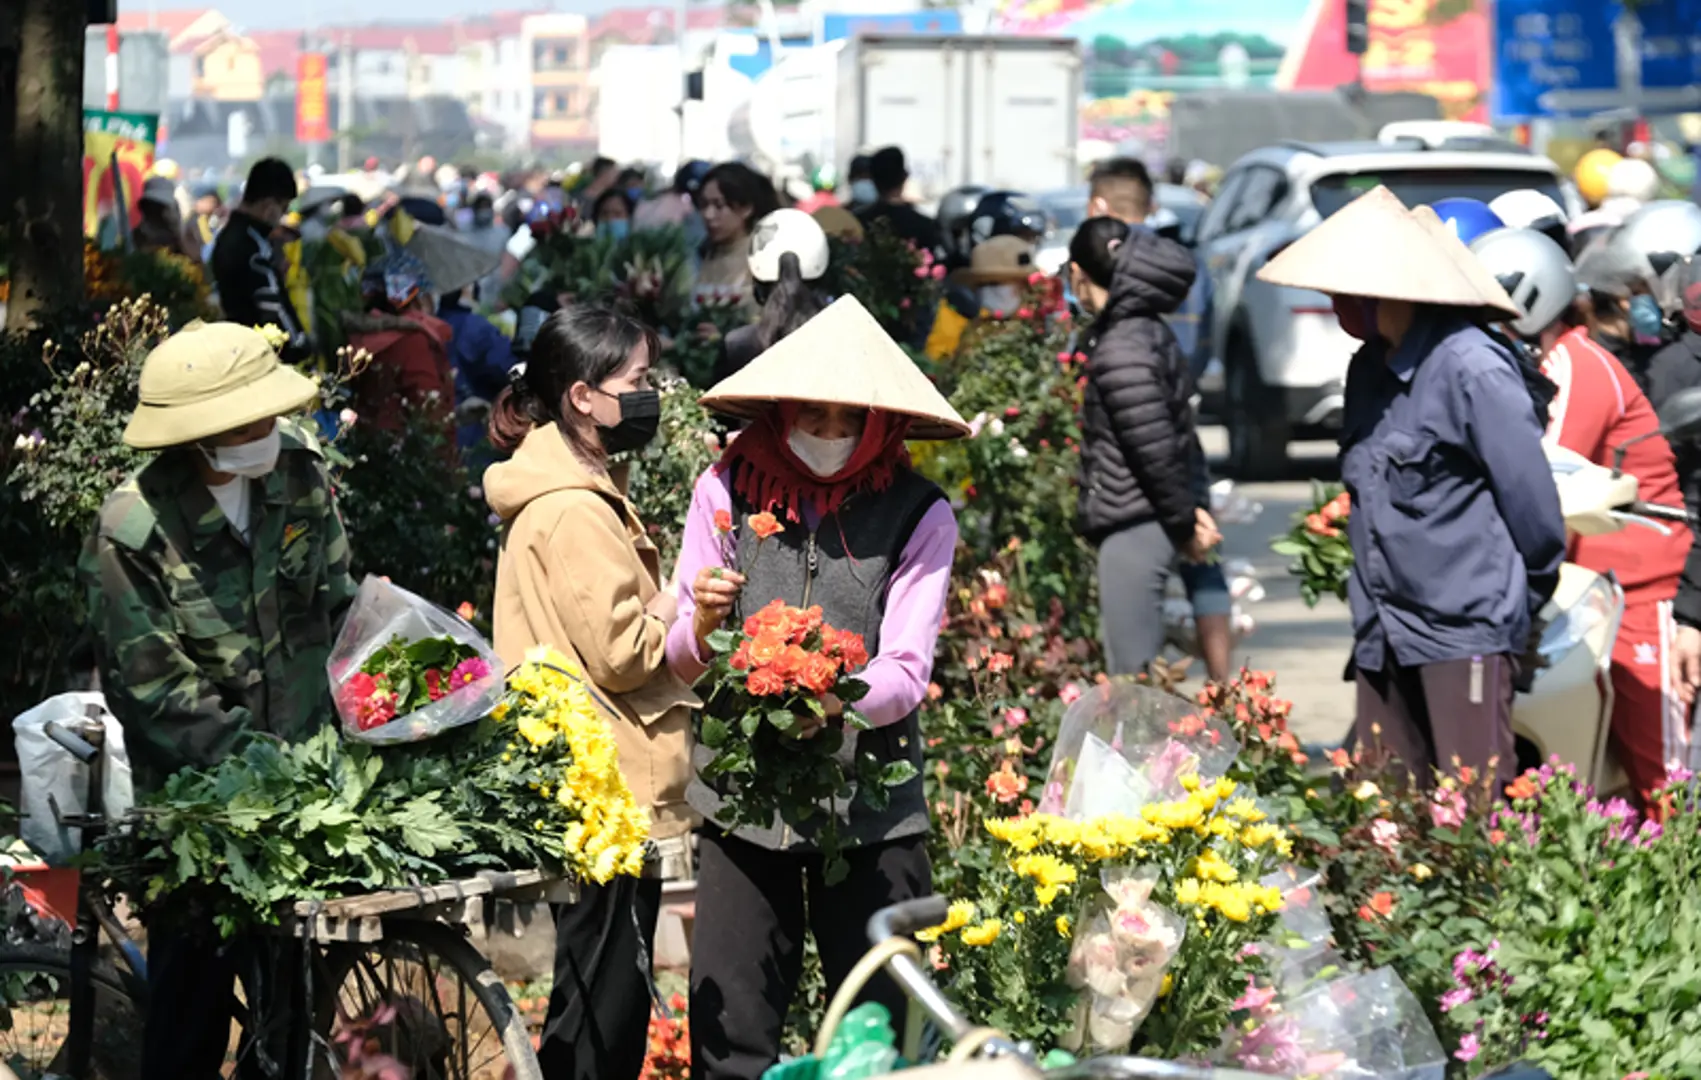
(561, 56)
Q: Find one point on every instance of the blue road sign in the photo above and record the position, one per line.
(1560, 57)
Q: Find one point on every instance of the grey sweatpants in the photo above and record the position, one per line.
(1134, 569)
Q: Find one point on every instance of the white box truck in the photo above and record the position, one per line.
(1001, 111)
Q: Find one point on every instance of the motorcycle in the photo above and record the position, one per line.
(1567, 713)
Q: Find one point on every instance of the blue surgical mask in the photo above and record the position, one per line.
(636, 194)
(618, 229)
(1646, 319)
(863, 192)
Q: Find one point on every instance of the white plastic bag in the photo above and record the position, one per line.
(53, 776)
(383, 611)
(1118, 960)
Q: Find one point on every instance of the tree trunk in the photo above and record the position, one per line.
(45, 210)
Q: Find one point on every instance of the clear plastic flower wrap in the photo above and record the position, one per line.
(1118, 961)
(1355, 1027)
(431, 656)
(1124, 744)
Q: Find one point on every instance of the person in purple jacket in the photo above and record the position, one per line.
(870, 541)
(1456, 529)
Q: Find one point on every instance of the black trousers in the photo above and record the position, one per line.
(192, 978)
(753, 907)
(599, 1010)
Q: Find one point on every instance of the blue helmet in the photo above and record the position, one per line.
(1468, 218)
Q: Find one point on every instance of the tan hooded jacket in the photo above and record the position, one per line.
(576, 572)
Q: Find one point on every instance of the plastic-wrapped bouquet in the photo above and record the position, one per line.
(403, 669)
(1119, 959)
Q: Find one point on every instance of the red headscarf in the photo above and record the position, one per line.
(768, 475)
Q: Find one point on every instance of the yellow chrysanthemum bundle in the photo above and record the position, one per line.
(577, 780)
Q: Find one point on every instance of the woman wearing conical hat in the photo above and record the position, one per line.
(870, 541)
(1455, 527)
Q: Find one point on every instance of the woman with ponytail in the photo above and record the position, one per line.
(577, 572)
(869, 541)
(788, 258)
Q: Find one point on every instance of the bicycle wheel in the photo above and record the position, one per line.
(36, 983)
(424, 997)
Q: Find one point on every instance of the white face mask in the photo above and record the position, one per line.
(252, 459)
(824, 457)
(1004, 299)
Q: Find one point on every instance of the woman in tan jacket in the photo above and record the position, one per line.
(577, 572)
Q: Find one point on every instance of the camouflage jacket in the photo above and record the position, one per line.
(202, 638)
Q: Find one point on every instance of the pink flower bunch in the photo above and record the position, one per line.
(1447, 808)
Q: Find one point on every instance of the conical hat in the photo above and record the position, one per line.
(1375, 247)
(840, 357)
(453, 261)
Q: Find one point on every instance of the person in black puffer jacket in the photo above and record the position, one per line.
(1142, 468)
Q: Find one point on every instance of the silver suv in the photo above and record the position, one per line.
(1272, 361)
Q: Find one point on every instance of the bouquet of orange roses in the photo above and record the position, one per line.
(778, 751)
(1322, 555)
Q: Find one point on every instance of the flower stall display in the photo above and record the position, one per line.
(783, 665)
(403, 669)
(1318, 544)
(536, 784)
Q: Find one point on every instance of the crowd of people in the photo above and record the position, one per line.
(218, 573)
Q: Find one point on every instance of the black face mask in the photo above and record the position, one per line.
(640, 416)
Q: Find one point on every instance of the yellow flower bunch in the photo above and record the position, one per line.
(1050, 875)
(1236, 901)
(1102, 839)
(553, 710)
(984, 933)
(960, 914)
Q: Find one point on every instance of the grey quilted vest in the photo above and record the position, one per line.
(845, 566)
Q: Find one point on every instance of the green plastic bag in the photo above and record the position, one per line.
(864, 1046)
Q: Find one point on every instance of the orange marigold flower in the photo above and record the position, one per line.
(764, 525)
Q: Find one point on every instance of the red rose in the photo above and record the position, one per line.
(723, 521)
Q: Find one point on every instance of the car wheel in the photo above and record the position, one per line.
(1257, 423)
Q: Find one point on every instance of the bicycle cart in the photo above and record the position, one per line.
(388, 974)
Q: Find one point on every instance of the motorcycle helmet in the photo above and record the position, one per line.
(1468, 218)
(1535, 272)
(956, 210)
(787, 232)
(1664, 231)
(1528, 208)
(1006, 213)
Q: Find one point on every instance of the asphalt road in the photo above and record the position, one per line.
(1306, 647)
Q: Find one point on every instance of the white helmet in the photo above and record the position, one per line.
(1534, 271)
(1664, 231)
(1528, 208)
(1633, 178)
(786, 232)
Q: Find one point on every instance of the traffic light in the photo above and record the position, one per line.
(1358, 27)
(102, 12)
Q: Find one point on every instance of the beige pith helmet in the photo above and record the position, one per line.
(1375, 247)
(209, 378)
(840, 357)
(1002, 260)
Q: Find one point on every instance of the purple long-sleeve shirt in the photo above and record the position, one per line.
(898, 675)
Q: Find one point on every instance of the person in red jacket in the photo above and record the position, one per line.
(409, 345)
(1597, 409)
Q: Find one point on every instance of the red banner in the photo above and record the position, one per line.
(1437, 47)
(312, 99)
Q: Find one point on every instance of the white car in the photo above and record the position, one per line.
(1272, 361)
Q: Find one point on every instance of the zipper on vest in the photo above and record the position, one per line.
(811, 566)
